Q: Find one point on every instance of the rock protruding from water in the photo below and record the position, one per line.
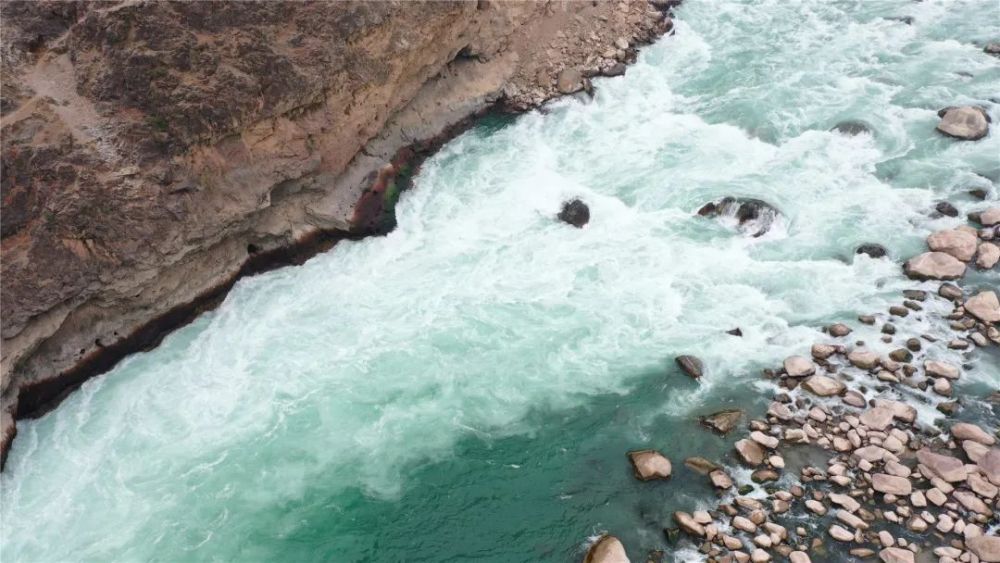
(992, 48)
(753, 216)
(960, 243)
(607, 549)
(984, 306)
(967, 123)
(691, 365)
(852, 128)
(871, 249)
(934, 266)
(569, 80)
(650, 464)
(723, 422)
(575, 212)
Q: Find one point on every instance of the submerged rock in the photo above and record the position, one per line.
(691, 365)
(753, 216)
(967, 123)
(871, 249)
(607, 549)
(575, 212)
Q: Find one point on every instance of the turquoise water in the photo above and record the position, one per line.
(467, 386)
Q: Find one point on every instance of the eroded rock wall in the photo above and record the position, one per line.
(152, 151)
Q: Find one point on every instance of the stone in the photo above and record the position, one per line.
(764, 476)
(691, 365)
(878, 418)
(987, 548)
(815, 506)
(966, 431)
(896, 555)
(864, 359)
(700, 465)
(838, 330)
(687, 523)
(851, 520)
(966, 123)
(569, 80)
(959, 243)
(723, 422)
(852, 127)
(742, 524)
(891, 484)
(822, 351)
(990, 217)
(823, 386)
(769, 442)
(934, 266)
(950, 291)
(607, 549)
(936, 368)
(901, 355)
(989, 464)
(720, 479)
(839, 533)
(946, 209)
(754, 217)
(971, 502)
(984, 306)
(950, 469)
(799, 557)
(845, 501)
(750, 452)
(872, 250)
(575, 212)
(988, 255)
(798, 366)
(650, 464)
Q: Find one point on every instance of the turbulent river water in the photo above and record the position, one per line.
(467, 386)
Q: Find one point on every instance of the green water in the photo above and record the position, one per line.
(467, 386)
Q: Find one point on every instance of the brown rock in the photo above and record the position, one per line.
(690, 365)
(650, 464)
(984, 306)
(750, 452)
(891, 484)
(723, 422)
(935, 368)
(948, 468)
(988, 255)
(687, 523)
(966, 431)
(987, 548)
(934, 266)
(966, 123)
(959, 243)
(607, 549)
(896, 555)
(823, 386)
(798, 366)
(569, 80)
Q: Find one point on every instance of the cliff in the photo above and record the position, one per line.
(153, 152)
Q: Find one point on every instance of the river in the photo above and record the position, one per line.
(466, 387)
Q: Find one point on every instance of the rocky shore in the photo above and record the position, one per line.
(878, 483)
(153, 153)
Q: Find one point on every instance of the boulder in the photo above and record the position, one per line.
(863, 359)
(750, 452)
(688, 524)
(840, 533)
(650, 464)
(967, 123)
(984, 306)
(723, 422)
(989, 464)
(989, 255)
(823, 386)
(950, 469)
(966, 431)
(700, 464)
(990, 217)
(753, 216)
(798, 366)
(720, 479)
(691, 365)
(934, 266)
(896, 555)
(575, 212)
(992, 49)
(878, 418)
(890, 484)
(607, 549)
(569, 80)
(871, 249)
(936, 368)
(959, 243)
(987, 548)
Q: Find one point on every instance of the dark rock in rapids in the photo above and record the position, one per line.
(979, 193)
(735, 332)
(852, 128)
(945, 208)
(871, 249)
(753, 216)
(992, 49)
(575, 212)
(690, 365)
(616, 69)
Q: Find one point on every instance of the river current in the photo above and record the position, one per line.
(466, 387)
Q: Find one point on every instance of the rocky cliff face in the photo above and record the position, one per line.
(154, 151)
